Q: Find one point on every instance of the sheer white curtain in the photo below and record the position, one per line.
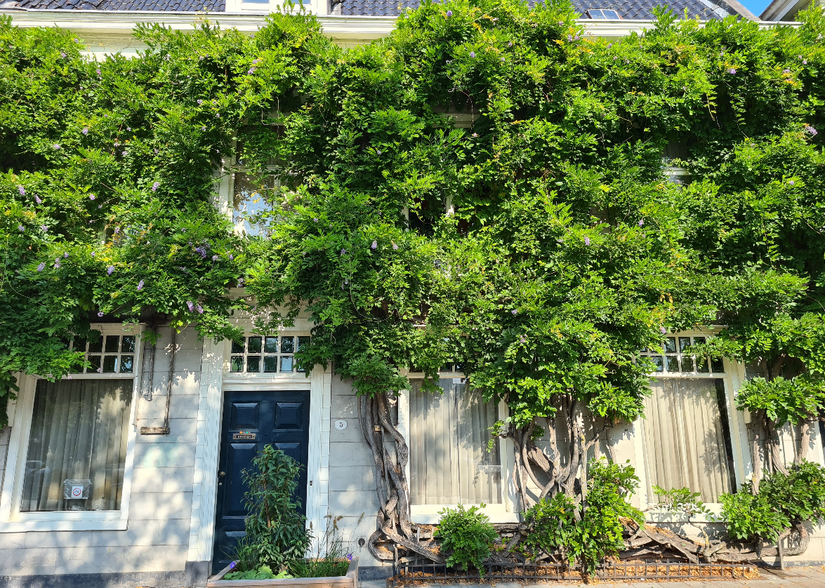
(684, 438)
(79, 431)
(449, 435)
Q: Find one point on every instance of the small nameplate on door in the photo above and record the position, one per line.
(244, 436)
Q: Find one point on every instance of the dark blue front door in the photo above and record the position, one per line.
(250, 421)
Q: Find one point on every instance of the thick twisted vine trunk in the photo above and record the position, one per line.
(390, 454)
(553, 470)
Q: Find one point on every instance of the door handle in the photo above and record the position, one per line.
(221, 474)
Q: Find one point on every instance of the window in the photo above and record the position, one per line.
(270, 355)
(602, 14)
(449, 459)
(76, 454)
(687, 439)
(70, 448)
(249, 200)
(685, 434)
(677, 358)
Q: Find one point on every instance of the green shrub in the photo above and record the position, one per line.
(466, 536)
(782, 501)
(276, 532)
(263, 572)
(586, 534)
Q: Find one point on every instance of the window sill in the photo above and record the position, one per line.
(429, 514)
(55, 523)
(715, 509)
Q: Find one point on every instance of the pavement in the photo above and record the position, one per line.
(792, 577)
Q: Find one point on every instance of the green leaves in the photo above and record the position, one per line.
(466, 536)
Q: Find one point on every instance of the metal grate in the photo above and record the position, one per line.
(411, 570)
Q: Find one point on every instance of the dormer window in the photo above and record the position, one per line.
(602, 14)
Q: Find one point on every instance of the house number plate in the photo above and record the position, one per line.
(244, 436)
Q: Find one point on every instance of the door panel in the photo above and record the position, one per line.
(252, 420)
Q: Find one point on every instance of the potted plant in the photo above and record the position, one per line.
(272, 553)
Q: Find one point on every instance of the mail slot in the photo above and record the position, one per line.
(244, 436)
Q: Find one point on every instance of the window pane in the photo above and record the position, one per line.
(254, 345)
(702, 365)
(302, 342)
(97, 346)
(126, 364)
(109, 364)
(286, 363)
(449, 461)
(237, 363)
(112, 343)
(95, 367)
(718, 366)
(270, 363)
(685, 438)
(659, 362)
(77, 442)
(127, 344)
(672, 363)
(670, 345)
(238, 347)
(271, 345)
(253, 363)
(684, 343)
(287, 344)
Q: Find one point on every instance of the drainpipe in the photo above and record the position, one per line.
(164, 430)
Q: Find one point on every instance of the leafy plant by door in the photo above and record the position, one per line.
(276, 533)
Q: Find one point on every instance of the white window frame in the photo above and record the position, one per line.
(503, 512)
(14, 521)
(743, 468)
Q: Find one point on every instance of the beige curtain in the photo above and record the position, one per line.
(79, 431)
(449, 433)
(684, 438)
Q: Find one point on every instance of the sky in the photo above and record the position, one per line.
(756, 6)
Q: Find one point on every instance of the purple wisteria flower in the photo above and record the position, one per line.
(63, 55)
(811, 131)
(22, 190)
(98, 72)
(202, 252)
(732, 70)
(109, 270)
(349, 557)
(251, 71)
(378, 151)
(155, 186)
(200, 101)
(56, 264)
(215, 258)
(41, 267)
(472, 54)
(37, 199)
(99, 314)
(449, 13)
(91, 197)
(117, 230)
(343, 251)
(514, 312)
(374, 245)
(128, 128)
(641, 222)
(790, 182)
(315, 220)
(569, 37)
(786, 71)
(509, 43)
(76, 40)
(66, 254)
(587, 240)
(662, 330)
(44, 228)
(190, 306)
(124, 153)
(199, 308)
(85, 130)
(232, 565)
(93, 253)
(21, 228)
(394, 247)
(804, 62)
(231, 257)
(240, 282)
(56, 147)
(140, 286)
